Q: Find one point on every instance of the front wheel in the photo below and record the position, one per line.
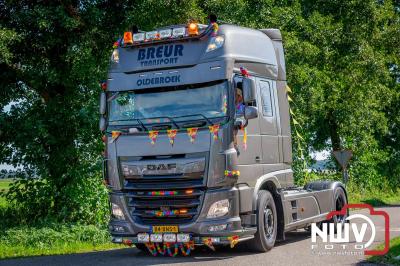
(267, 223)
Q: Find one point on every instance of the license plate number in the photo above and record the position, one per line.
(165, 229)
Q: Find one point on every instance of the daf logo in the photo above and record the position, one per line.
(161, 166)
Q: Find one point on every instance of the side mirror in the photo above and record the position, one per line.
(103, 103)
(250, 112)
(249, 90)
(102, 124)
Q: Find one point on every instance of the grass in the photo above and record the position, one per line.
(53, 239)
(374, 198)
(389, 258)
(50, 239)
(4, 183)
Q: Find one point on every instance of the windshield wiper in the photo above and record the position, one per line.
(130, 119)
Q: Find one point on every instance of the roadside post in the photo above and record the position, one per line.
(343, 157)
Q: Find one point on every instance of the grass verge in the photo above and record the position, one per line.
(53, 239)
(389, 258)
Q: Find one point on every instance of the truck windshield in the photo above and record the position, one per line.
(208, 101)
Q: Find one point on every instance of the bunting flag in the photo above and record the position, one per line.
(288, 89)
(244, 138)
(208, 243)
(233, 240)
(153, 136)
(171, 135)
(115, 135)
(289, 98)
(234, 173)
(176, 250)
(192, 132)
(152, 248)
(214, 131)
(215, 29)
(225, 104)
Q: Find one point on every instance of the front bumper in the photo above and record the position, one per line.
(199, 229)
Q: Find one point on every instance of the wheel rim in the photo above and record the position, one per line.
(268, 222)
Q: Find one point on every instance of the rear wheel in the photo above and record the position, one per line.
(267, 224)
(340, 200)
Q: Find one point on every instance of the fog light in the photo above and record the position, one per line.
(118, 229)
(117, 240)
(117, 212)
(215, 228)
(218, 209)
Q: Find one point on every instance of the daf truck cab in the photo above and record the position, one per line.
(198, 142)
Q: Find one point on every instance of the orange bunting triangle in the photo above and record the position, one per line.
(214, 130)
(114, 135)
(171, 135)
(153, 134)
(192, 132)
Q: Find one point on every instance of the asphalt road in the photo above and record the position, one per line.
(295, 250)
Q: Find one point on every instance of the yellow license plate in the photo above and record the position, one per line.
(165, 229)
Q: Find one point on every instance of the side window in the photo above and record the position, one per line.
(266, 98)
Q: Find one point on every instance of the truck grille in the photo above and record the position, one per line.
(171, 199)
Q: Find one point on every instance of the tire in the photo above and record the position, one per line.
(141, 247)
(339, 200)
(267, 223)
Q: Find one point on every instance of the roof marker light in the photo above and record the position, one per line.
(178, 32)
(128, 38)
(138, 37)
(165, 33)
(152, 35)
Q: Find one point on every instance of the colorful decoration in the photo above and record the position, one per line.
(163, 213)
(171, 135)
(214, 130)
(233, 240)
(234, 173)
(163, 250)
(225, 104)
(176, 250)
(162, 193)
(117, 43)
(215, 29)
(189, 247)
(152, 249)
(244, 138)
(192, 132)
(115, 135)
(244, 72)
(208, 243)
(153, 136)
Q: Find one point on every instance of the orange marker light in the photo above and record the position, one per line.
(189, 191)
(193, 29)
(183, 211)
(128, 39)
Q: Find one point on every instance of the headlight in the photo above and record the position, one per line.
(117, 212)
(115, 56)
(215, 43)
(218, 209)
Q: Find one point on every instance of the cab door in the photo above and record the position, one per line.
(269, 128)
(249, 159)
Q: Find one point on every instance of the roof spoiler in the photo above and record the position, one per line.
(276, 37)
